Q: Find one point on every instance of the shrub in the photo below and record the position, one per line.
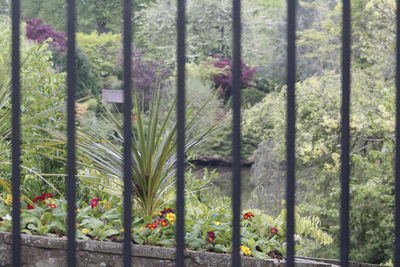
(264, 84)
(42, 92)
(87, 82)
(250, 97)
(102, 51)
(219, 144)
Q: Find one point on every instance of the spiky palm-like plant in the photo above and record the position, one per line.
(153, 152)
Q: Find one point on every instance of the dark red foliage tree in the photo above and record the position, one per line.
(223, 81)
(39, 32)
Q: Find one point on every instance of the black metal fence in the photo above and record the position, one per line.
(236, 55)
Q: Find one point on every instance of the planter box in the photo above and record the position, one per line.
(45, 251)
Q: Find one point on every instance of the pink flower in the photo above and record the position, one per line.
(95, 201)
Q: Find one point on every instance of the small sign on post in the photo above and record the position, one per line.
(113, 96)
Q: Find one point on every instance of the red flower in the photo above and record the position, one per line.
(30, 207)
(248, 215)
(164, 222)
(42, 197)
(47, 195)
(38, 199)
(52, 206)
(152, 226)
(95, 201)
(273, 230)
(210, 237)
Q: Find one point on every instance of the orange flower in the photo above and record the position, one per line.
(164, 222)
(152, 226)
(273, 230)
(210, 237)
(52, 205)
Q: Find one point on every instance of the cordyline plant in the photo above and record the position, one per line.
(153, 151)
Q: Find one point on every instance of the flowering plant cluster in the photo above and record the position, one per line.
(45, 215)
(45, 200)
(208, 229)
(214, 235)
(165, 218)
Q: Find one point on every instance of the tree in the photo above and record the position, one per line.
(100, 15)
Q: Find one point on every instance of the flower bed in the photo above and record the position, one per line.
(207, 229)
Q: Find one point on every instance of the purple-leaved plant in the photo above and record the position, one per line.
(39, 32)
(223, 81)
(148, 75)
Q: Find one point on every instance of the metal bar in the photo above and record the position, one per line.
(180, 149)
(397, 162)
(236, 88)
(16, 135)
(71, 157)
(128, 159)
(291, 131)
(345, 138)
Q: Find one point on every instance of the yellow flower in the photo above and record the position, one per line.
(8, 200)
(85, 230)
(217, 223)
(245, 250)
(122, 230)
(171, 217)
(106, 204)
(48, 201)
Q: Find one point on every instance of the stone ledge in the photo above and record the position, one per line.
(47, 251)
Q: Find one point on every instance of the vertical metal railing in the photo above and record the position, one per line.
(71, 170)
(16, 134)
(180, 148)
(236, 88)
(291, 130)
(345, 137)
(128, 159)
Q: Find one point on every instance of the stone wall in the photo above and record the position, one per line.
(45, 251)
